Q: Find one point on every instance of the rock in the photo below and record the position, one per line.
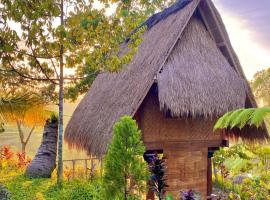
(4, 193)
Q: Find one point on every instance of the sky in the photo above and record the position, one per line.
(248, 25)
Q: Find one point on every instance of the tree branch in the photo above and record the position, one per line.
(30, 133)
(40, 66)
(42, 79)
(37, 56)
(20, 131)
(29, 77)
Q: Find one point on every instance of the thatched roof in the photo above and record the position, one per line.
(194, 77)
(197, 80)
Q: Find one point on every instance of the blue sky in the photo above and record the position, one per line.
(248, 25)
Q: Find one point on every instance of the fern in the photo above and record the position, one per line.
(241, 117)
(222, 122)
(232, 119)
(258, 116)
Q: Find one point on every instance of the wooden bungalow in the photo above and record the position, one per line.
(184, 76)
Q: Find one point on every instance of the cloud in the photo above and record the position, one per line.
(256, 15)
(247, 23)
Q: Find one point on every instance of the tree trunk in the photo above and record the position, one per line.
(44, 161)
(24, 148)
(61, 99)
(21, 134)
(25, 142)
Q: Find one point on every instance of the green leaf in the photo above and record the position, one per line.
(243, 117)
(232, 120)
(258, 116)
(223, 121)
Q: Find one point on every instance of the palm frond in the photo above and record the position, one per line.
(241, 117)
(222, 121)
(258, 116)
(17, 104)
(233, 118)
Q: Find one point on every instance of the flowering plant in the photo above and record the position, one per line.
(190, 195)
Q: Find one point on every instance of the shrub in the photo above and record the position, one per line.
(84, 191)
(158, 179)
(126, 173)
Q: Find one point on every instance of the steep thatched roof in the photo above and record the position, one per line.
(194, 77)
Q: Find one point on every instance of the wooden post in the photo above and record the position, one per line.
(85, 163)
(209, 176)
(73, 168)
(92, 167)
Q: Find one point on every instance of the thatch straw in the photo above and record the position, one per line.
(113, 95)
(197, 80)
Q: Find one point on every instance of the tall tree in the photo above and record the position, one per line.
(126, 172)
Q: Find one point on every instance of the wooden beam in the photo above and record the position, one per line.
(204, 18)
(221, 44)
(209, 177)
(182, 144)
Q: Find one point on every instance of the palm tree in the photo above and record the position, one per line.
(26, 110)
(44, 161)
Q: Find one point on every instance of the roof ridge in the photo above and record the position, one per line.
(157, 17)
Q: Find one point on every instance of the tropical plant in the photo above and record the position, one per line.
(249, 171)
(241, 117)
(262, 152)
(126, 173)
(190, 195)
(26, 110)
(44, 161)
(158, 180)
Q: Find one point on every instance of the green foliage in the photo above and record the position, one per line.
(249, 171)
(260, 86)
(126, 173)
(169, 197)
(22, 188)
(53, 117)
(241, 117)
(82, 191)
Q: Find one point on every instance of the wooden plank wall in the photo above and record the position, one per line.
(157, 128)
(186, 169)
(184, 143)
